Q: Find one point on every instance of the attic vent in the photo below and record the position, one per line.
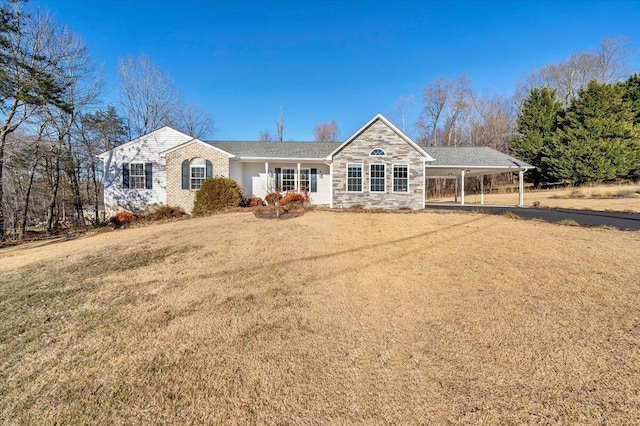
(377, 151)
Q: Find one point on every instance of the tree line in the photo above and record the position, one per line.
(576, 120)
(592, 137)
(53, 123)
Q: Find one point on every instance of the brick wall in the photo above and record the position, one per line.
(398, 151)
(176, 196)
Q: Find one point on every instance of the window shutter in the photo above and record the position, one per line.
(185, 174)
(209, 170)
(278, 179)
(314, 180)
(148, 175)
(125, 175)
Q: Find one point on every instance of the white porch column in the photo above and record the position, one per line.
(266, 177)
(298, 179)
(521, 188)
(462, 172)
(482, 189)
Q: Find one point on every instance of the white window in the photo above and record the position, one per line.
(136, 176)
(377, 177)
(304, 179)
(401, 178)
(377, 151)
(197, 173)
(288, 179)
(354, 177)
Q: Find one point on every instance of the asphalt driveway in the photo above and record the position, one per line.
(582, 217)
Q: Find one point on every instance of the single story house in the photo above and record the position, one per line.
(378, 166)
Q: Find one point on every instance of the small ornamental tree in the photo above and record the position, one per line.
(217, 194)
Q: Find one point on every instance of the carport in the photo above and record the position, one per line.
(460, 162)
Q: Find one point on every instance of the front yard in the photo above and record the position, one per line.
(325, 318)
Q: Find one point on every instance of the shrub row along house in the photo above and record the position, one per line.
(378, 166)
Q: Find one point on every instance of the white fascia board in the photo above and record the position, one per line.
(431, 166)
(280, 159)
(192, 141)
(399, 132)
(132, 141)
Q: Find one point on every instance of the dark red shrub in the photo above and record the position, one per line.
(123, 219)
(255, 201)
(292, 197)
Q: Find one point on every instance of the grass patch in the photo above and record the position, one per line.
(568, 222)
(315, 321)
(512, 215)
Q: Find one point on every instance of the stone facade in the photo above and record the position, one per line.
(397, 152)
(178, 197)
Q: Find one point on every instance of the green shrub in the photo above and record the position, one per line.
(217, 194)
(165, 212)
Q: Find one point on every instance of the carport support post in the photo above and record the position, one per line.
(462, 187)
(266, 177)
(481, 189)
(521, 188)
(455, 191)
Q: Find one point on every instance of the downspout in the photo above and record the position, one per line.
(424, 183)
(331, 185)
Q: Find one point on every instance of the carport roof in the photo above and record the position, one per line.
(473, 157)
(450, 162)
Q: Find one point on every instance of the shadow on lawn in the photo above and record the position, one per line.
(290, 262)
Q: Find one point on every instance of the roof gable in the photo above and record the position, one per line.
(155, 133)
(391, 126)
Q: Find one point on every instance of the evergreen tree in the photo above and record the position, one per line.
(536, 126)
(632, 94)
(597, 139)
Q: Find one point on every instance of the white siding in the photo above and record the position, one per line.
(145, 149)
(323, 196)
(235, 173)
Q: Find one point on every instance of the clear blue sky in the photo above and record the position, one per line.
(335, 60)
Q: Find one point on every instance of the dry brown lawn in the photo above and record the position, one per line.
(330, 317)
(588, 198)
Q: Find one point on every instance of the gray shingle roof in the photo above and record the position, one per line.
(317, 150)
(475, 156)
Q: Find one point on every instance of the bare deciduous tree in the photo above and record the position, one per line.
(81, 82)
(326, 132)
(607, 64)
(444, 103)
(493, 122)
(193, 121)
(280, 126)
(265, 136)
(150, 100)
(434, 98)
(148, 96)
(402, 109)
(459, 102)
